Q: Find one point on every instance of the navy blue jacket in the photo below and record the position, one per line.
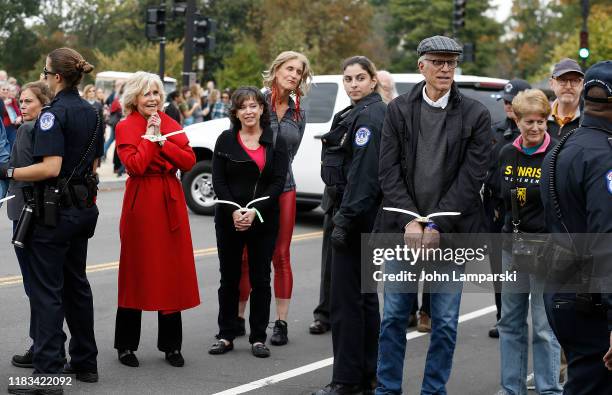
(584, 186)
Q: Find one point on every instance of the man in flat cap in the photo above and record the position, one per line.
(577, 197)
(566, 81)
(433, 157)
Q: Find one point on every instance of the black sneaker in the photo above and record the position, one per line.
(23, 361)
(84, 376)
(128, 358)
(339, 389)
(494, 332)
(279, 333)
(175, 358)
(260, 350)
(241, 327)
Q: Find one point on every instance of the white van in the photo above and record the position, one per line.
(325, 98)
(106, 80)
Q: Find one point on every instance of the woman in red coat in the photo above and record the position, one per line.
(156, 269)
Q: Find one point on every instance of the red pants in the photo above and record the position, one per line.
(283, 278)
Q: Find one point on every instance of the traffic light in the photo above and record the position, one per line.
(203, 35)
(584, 52)
(155, 23)
(459, 14)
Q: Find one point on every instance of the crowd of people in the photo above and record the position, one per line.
(372, 157)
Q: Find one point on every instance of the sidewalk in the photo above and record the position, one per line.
(108, 179)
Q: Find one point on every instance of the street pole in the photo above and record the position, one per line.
(585, 28)
(162, 47)
(188, 44)
(162, 58)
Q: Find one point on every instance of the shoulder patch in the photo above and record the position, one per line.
(362, 136)
(47, 120)
(609, 180)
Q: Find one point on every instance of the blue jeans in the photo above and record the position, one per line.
(514, 337)
(392, 342)
(110, 140)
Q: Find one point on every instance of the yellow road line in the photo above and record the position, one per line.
(11, 280)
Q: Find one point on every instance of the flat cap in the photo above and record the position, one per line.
(439, 44)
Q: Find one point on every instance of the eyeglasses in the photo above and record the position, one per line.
(574, 82)
(439, 63)
(47, 72)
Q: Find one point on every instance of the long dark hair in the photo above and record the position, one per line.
(70, 65)
(365, 64)
(242, 94)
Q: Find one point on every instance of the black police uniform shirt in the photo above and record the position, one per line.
(584, 188)
(358, 135)
(523, 172)
(65, 128)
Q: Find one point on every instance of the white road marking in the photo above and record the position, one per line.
(329, 361)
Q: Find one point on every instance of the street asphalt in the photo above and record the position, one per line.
(300, 367)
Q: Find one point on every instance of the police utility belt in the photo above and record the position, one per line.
(44, 200)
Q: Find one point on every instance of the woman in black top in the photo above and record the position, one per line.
(247, 164)
(521, 167)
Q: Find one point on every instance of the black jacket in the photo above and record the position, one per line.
(350, 158)
(522, 171)
(468, 127)
(237, 178)
(557, 132)
(584, 187)
(502, 133)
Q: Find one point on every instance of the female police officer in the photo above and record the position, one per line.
(350, 171)
(67, 142)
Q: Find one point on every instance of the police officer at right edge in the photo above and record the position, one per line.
(582, 178)
(350, 171)
(68, 140)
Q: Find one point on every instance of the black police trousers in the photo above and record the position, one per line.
(585, 339)
(321, 312)
(59, 289)
(230, 246)
(127, 330)
(355, 318)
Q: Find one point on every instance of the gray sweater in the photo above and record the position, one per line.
(430, 158)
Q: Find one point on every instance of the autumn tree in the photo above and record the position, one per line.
(413, 20)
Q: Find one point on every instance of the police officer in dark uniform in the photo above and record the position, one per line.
(503, 132)
(350, 171)
(578, 199)
(68, 140)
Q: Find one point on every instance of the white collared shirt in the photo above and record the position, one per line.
(440, 103)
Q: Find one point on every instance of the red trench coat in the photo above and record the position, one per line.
(156, 268)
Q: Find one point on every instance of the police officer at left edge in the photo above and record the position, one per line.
(350, 171)
(68, 140)
(578, 201)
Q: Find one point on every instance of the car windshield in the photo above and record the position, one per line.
(488, 97)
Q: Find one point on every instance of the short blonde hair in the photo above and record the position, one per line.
(139, 84)
(282, 58)
(88, 87)
(530, 101)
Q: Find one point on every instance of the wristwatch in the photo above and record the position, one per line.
(9, 173)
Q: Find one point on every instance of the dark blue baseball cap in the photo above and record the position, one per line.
(513, 87)
(600, 74)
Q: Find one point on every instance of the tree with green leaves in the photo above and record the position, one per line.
(413, 20)
(242, 67)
